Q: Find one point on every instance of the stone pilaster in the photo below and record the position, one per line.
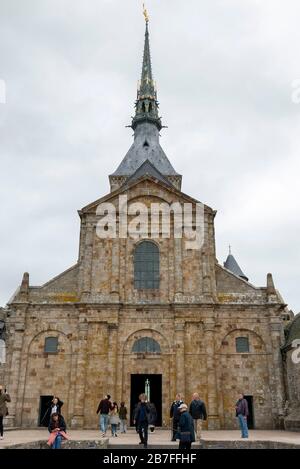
(14, 385)
(79, 398)
(86, 263)
(180, 362)
(112, 359)
(277, 381)
(212, 397)
(115, 256)
(178, 267)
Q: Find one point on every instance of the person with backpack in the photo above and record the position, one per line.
(198, 412)
(175, 415)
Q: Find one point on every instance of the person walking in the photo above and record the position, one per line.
(57, 429)
(198, 412)
(114, 419)
(4, 398)
(186, 428)
(104, 408)
(141, 419)
(175, 415)
(123, 418)
(242, 413)
(53, 407)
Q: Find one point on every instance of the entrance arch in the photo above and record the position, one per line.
(147, 361)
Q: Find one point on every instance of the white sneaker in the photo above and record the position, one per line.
(1, 437)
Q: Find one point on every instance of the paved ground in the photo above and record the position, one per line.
(160, 437)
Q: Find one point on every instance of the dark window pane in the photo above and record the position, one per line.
(242, 344)
(51, 344)
(146, 345)
(146, 266)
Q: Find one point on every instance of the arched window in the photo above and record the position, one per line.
(2, 351)
(146, 266)
(146, 345)
(51, 345)
(242, 345)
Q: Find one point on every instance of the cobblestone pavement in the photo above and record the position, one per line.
(159, 437)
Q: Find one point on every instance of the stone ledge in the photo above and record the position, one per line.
(68, 444)
(247, 444)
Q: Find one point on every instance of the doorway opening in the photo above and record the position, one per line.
(44, 405)
(150, 385)
(250, 419)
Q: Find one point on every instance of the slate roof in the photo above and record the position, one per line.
(232, 265)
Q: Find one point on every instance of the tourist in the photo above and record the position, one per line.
(133, 414)
(114, 418)
(186, 428)
(141, 419)
(175, 415)
(242, 413)
(123, 418)
(57, 429)
(152, 417)
(104, 408)
(53, 407)
(198, 412)
(4, 398)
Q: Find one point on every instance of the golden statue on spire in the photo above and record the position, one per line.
(145, 13)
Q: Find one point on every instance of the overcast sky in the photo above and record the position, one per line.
(224, 71)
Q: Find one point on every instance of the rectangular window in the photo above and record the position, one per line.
(242, 345)
(51, 345)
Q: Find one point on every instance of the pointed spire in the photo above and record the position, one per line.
(146, 106)
(232, 265)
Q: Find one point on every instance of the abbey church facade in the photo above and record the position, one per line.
(136, 314)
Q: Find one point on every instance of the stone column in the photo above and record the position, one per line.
(212, 394)
(180, 362)
(79, 397)
(112, 359)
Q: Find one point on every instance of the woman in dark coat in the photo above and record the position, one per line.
(186, 428)
(53, 407)
(152, 417)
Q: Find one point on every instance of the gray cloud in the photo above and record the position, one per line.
(224, 71)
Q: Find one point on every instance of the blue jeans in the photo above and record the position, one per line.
(57, 442)
(243, 426)
(114, 427)
(103, 422)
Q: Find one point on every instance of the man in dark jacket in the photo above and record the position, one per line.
(186, 428)
(141, 419)
(175, 415)
(104, 407)
(242, 413)
(198, 412)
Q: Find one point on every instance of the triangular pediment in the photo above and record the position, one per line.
(141, 180)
